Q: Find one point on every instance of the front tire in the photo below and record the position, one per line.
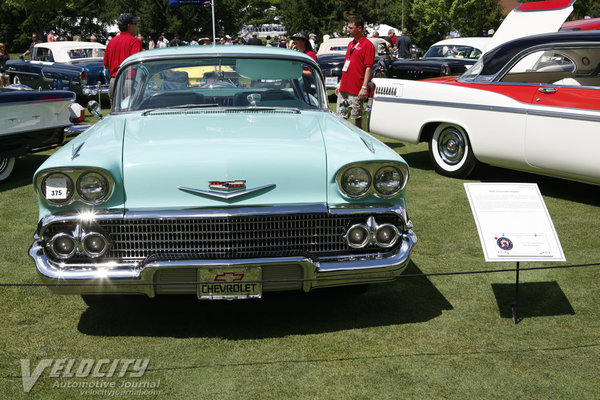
(450, 151)
(7, 165)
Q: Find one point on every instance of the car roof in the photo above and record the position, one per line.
(496, 58)
(337, 42)
(477, 42)
(54, 46)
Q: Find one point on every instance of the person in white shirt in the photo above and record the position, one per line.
(313, 41)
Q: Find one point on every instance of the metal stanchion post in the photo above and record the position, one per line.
(516, 302)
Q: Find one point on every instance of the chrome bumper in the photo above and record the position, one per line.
(93, 90)
(145, 278)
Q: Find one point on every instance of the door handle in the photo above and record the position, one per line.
(547, 90)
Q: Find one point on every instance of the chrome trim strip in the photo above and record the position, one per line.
(222, 195)
(93, 215)
(567, 115)
(511, 110)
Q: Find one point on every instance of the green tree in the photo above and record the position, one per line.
(434, 19)
(473, 17)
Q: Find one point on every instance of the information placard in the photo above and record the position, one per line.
(513, 222)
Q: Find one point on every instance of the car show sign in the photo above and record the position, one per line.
(513, 222)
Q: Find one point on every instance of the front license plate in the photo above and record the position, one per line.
(331, 81)
(229, 283)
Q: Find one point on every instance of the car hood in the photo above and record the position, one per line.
(531, 19)
(164, 154)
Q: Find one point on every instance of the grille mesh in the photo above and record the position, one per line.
(232, 237)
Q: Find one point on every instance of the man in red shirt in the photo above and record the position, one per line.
(121, 46)
(356, 72)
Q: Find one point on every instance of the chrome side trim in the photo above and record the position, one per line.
(223, 195)
(469, 106)
(480, 107)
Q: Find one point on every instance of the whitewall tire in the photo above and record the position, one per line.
(450, 151)
(7, 165)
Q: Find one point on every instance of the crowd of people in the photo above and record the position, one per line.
(355, 74)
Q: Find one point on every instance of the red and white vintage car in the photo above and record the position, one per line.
(530, 104)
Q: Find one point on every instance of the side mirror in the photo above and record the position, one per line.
(22, 57)
(94, 108)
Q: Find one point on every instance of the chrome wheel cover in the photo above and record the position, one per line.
(451, 146)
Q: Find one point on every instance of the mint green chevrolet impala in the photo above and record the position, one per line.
(220, 172)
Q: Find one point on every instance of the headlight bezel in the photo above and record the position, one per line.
(74, 175)
(372, 168)
(69, 183)
(343, 185)
(397, 189)
(80, 190)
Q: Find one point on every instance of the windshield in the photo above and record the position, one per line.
(449, 51)
(219, 82)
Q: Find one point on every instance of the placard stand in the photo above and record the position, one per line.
(513, 225)
(515, 304)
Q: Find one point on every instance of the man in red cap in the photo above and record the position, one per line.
(121, 47)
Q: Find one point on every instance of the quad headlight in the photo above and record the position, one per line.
(66, 185)
(92, 187)
(356, 181)
(381, 179)
(57, 187)
(371, 233)
(388, 181)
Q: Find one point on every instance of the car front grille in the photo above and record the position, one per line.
(232, 237)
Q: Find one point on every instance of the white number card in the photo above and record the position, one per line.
(56, 188)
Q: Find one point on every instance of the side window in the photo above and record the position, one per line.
(43, 54)
(542, 67)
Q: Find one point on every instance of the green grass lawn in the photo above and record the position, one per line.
(416, 338)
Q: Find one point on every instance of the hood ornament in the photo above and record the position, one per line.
(226, 189)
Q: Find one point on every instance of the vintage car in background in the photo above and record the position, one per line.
(532, 104)
(75, 66)
(446, 57)
(581, 24)
(331, 56)
(31, 121)
(240, 183)
(454, 56)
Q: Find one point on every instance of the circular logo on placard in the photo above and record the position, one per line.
(504, 243)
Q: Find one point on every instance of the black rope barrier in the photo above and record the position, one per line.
(324, 279)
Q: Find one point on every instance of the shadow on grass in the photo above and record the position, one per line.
(403, 301)
(25, 167)
(536, 299)
(418, 159)
(552, 187)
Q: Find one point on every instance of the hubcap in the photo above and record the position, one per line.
(451, 146)
(3, 164)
